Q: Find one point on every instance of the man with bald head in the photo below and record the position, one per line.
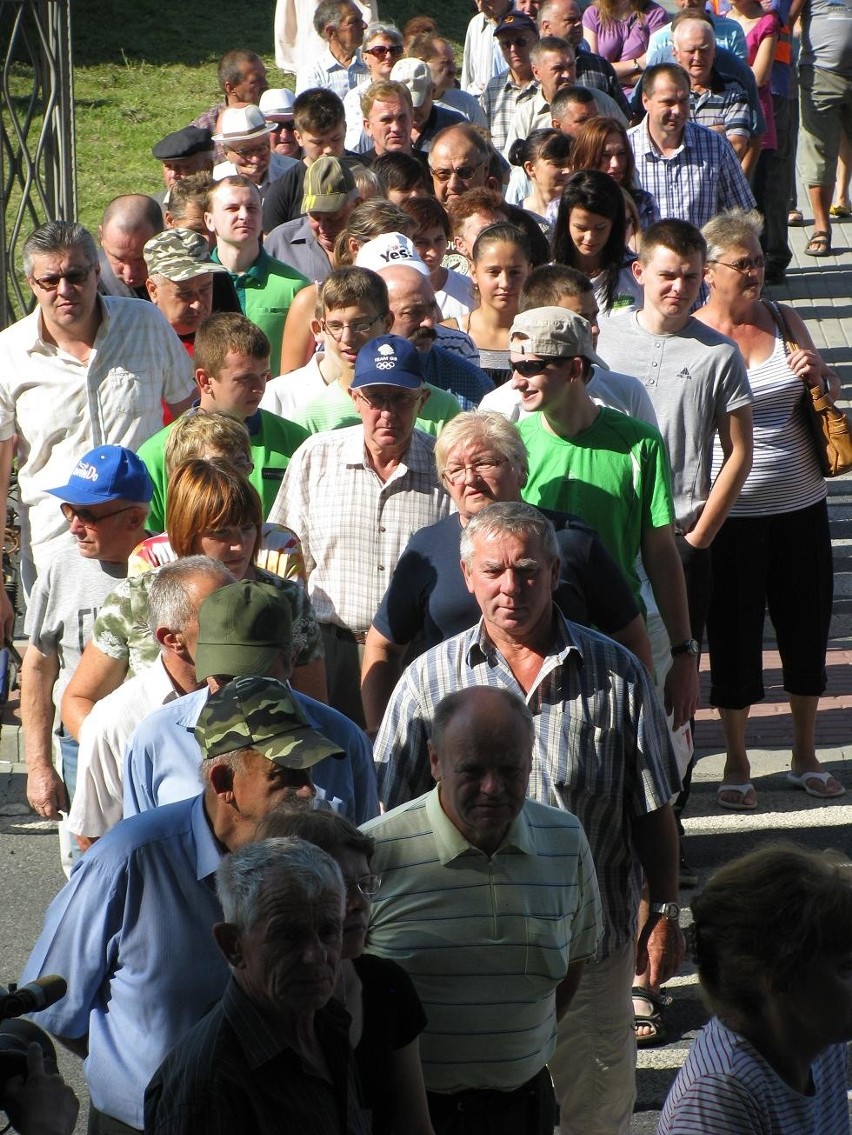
(127, 225)
(415, 313)
(458, 161)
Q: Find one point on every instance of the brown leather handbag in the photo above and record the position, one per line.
(830, 427)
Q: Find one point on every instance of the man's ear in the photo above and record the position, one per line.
(434, 763)
(467, 576)
(151, 288)
(222, 782)
(227, 938)
(203, 380)
(208, 222)
(636, 269)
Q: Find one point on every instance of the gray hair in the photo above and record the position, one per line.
(449, 706)
(488, 427)
(509, 518)
(307, 873)
(728, 229)
(330, 12)
(58, 236)
(550, 44)
(169, 600)
(379, 27)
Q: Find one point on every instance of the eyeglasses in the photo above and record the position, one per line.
(518, 41)
(87, 517)
(76, 277)
(744, 265)
(258, 151)
(354, 326)
(528, 368)
(463, 173)
(282, 128)
(382, 51)
(398, 402)
(483, 468)
(366, 885)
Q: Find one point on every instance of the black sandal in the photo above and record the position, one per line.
(653, 1020)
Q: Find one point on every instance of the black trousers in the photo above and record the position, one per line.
(528, 1110)
(100, 1124)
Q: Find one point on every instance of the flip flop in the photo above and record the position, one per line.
(819, 244)
(840, 211)
(742, 790)
(804, 780)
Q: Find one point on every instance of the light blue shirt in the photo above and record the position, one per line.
(162, 760)
(729, 34)
(131, 934)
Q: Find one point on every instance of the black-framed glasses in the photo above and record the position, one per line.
(528, 368)
(366, 885)
(483, 468)
(744, 265)
(382, 51)
(86, 516)
(463, 173)
(76, 277)
(354, 326)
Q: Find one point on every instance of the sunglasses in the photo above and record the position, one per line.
(382, 51)
(74, 276)
(528, 368)
(87, 517)
(519, 42)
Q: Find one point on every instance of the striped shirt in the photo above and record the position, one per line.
(785, 475)
(702, 178)
(485, 940)
(601, 747)
(727, 1088)
(354, 526)
(500, 99)
(328, 72)
(725, 103)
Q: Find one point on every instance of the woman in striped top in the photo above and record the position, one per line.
(772, 940)
(774, 549)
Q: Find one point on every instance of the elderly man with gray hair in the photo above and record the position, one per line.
(273, 1054)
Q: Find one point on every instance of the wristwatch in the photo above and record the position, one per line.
(688, 647)
(669, 910)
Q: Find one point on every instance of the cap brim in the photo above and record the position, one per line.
(404, 379)
(199, 270)
(75, 494)
(299, 748)
(324, 202)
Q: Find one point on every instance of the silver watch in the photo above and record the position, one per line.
(669, 910)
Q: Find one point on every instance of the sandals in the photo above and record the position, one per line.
(652, 1020)
(804, 782)
(819, 244)
(740, 791)
(795, 219)
(841, 211)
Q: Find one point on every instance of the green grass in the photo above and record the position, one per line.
(144, 69)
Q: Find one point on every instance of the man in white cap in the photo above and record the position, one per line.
(180, 280)
(307, 243)
(244, 135)
(429, 118)
(354, 496)
(277, 107)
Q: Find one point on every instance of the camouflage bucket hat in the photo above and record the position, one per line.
(261, 714)
(179, 254)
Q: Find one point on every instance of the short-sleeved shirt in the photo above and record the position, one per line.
(485, 939)
(273, 442)
(626, 39)
(724, 103)
(693, 378)
(121, 629)
(500, 99)
(294, 243)
(615, 475)
(265, 293)
(827, 36)
(428, 600)
(60, 408)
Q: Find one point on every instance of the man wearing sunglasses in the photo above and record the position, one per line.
(81, 369)
(104, 504)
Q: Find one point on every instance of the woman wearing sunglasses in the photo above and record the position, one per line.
(382, 48)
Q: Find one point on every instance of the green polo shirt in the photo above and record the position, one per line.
(333, 409)
(265, 293)
(274, 440)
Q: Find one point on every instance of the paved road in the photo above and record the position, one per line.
(822, 292)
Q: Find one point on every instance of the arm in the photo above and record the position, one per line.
(735, 438)
(380, 672)
(764, 58)
(660, 942)
(635, 637)
(297, 342)
(96, 676)
(46, 792)
(665, 572)
(7, 453)
(739, 143)
(567, 987)
(591, 38)
(807, 362)
(413, 1111)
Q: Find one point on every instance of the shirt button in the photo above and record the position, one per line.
(382, 529)
(381, 567)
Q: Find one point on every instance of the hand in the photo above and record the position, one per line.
(660, 946)
(46, 792)
(681, 689)
(41, 1104)
(807, 364)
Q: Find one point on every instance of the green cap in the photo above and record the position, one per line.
(261, 714)
(329, 184)
(179, 254)
(242, 628)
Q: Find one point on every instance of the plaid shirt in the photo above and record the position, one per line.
(601, 751)
(354, 526)
(499, 101)
(701, 179)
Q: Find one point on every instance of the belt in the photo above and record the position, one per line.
(344, 632)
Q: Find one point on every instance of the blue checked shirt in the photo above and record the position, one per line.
(601, 749)
(702, 178)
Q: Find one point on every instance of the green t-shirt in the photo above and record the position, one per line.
(274, 440)
(615, 475)
(334, 409)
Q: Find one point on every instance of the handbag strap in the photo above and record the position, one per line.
(780, 318)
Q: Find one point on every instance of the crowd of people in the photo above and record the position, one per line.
(379, 477)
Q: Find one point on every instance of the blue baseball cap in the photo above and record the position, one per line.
(388, 360)
(107, 473)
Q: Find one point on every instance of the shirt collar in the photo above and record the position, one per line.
(256, 271)
(207, 851)
(482, 649)
(451, 844)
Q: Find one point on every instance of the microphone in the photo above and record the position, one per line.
(33, 997)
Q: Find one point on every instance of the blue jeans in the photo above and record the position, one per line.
(69, 749)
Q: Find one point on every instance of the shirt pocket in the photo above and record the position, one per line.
(121, 398)
(547, 951)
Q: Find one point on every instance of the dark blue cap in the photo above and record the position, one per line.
(108, 473)
(389, 360)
